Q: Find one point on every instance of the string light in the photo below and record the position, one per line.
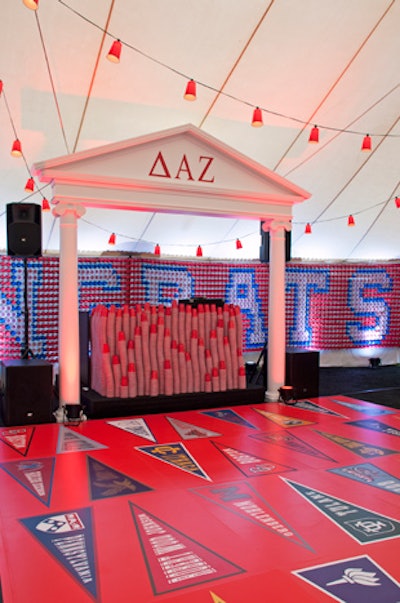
(30, 185)
(114, 53)
(1, 86)
(239, 244)
(32, 4)
(16, 149)
(307, 229)
(190, 92)
(257, 121)
(397, 202)
(157, 250)
(366, 143)
(314, 135)
(112, 239)
(45, 204)
(199, 252)
(351, 221)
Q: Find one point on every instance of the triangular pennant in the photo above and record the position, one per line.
(106, 482)
(249, 464)
(314, 407)
(368, 410)
(352, 580)
(187, 431)
(370, 474)
(226, 414)
(216, 598)
(283, 420)
(177, 455)
(68, 536)
(138, 427)
(363, 449)
(18, 438)
(71, 441)
(288, 440)
(36, 475)
(240, 498)
(174, 560)
(375, 426)
(360, 523)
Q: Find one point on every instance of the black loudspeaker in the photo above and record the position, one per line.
(26, 391)
(24, 229)
(84, 348)
(302, 373)
(264, 247)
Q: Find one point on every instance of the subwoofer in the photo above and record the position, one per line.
(26, 391)
(24, 229)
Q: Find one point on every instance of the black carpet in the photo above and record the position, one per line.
(379, 385)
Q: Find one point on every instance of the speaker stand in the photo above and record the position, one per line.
(26, 352)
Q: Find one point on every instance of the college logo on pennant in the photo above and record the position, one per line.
(288, 440)
(68, 537)
(215, 598)
(240, 498)
(361, 448)
(177, 455)
(354, 580)
(308, 405)
(282, 420)
(363, 525)
(370, 474)
(230, 416)
(250, 465)
(72, 441)
(375, 426)
(174, 560)
(373, 411)
(187, 431)
(18, 438)
(35, 475)
(138, 427)
(106, 482)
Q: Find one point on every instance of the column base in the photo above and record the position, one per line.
(71, 414)
(271, 396)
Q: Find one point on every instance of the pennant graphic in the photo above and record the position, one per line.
(240, 498)
(68, 537)
(288, 440)
(363, 449)
(363, 525)
(174, 560)
(373, 411)
(216, 598)
(18, 438)
(308, 405)
(282, 420)
(177, 455)
(226, 414)
(71, 441)
(354, 580)
(375, 426)
(187, 431)
(36, 475)
(106, 482)
(138, 427)
(250, 465)
(367, 473)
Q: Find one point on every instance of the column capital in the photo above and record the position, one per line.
(275, 225)
(76, 210)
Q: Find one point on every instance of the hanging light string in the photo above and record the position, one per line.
(46, 58)
(218, 90)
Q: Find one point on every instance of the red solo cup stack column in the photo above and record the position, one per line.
(116, 369)
(144, 323)
(160, 349)
(175, 367)
(132, 380)
(139, 361)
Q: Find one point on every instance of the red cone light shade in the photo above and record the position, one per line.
(397, 201)
(190, 92)
(16, 150)
(308, 228)
(157, 250)
(32, 4)
(30, 185)
(239, 244)
(314, 135)
(351, 221)
(45, 204)
(112, 239)
(199, 251)
(367, 143)
(115, 52)
(257, 120)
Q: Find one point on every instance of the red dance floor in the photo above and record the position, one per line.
(267, 503)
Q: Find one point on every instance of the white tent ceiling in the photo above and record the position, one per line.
(334, 63)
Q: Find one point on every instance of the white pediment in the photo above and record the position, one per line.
(179, 170)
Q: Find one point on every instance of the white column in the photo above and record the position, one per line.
(276, 307)
(68, 313)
